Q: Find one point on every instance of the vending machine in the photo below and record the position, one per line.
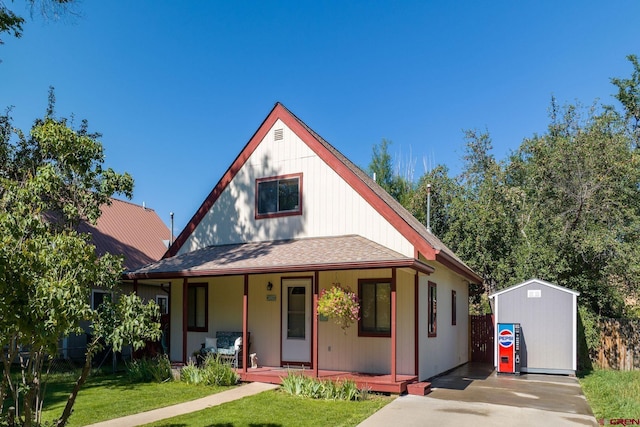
(509, 348)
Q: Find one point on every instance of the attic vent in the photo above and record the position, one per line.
(278, 135)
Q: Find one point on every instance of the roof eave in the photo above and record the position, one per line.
(408, 263)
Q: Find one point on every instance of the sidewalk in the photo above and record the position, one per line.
(187, 407)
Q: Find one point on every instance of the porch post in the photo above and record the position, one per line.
(245, 323)
(135, 286)
(416, 325)
(185, 296)
(314, 330)
(394, 315)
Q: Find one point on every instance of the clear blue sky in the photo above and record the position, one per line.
(178, 88)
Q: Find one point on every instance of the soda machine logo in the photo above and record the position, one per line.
(505, 339)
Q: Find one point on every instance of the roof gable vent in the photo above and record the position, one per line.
(278, 134)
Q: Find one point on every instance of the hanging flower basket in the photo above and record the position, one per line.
(339, 304)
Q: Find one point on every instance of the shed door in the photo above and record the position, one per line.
(296, 321)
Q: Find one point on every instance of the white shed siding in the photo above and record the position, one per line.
(331, 207)
(450, 347)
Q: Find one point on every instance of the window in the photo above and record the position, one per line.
(453, 308)
(279, 196)
(163, 303)
(98, 297)
(433, 305)
(375, 308)
(197, 307)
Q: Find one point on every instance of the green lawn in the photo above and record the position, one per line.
(276, 408)
(613, 394)
(106, 397)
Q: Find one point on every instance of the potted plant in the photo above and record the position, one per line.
(339, 304)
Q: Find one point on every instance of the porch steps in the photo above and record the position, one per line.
(419, 388)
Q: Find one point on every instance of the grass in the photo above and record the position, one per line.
(105, 397)
(613, 394)
(276, 408)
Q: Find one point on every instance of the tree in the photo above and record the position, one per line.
(381, 167)
(629, 96)
(579, 214)
(482, 229)
(12, 23)
(49, 181)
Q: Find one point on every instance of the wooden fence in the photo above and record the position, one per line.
(619, 344)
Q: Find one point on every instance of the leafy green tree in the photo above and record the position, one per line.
(11, 23)
(49, 181)
(381, 167)
(579, 214)
(482, 231)
(629, 96)
(444, 190)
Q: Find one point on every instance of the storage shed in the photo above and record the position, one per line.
(547, 315)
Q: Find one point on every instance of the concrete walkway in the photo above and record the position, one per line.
(187, 407)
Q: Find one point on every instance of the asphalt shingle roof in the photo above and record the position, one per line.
(325, 253)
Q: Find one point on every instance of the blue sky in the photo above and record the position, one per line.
(178, 88)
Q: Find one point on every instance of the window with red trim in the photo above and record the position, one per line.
(279, 196)
(197, 307)
(375, 308)
(432, 312)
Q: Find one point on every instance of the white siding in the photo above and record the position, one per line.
(330, 206)
(338, 350)
(450, 347)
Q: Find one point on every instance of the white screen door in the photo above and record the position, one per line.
(296, 320)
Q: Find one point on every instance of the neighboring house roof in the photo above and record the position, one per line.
(131, 230)
(426, 244)
(321, 254)
(536, 281)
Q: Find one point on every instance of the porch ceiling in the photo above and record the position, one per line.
(326, 253)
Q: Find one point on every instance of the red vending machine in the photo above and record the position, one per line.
(509, 348)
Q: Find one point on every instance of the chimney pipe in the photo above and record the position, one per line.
(171, 238)
(429, 208)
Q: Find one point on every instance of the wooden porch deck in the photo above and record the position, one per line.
(380, 383)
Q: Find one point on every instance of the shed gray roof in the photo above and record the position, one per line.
(537, 281)
(321, 254)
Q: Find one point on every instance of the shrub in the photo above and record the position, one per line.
(213, 372)
(301, 385)
(157, 369)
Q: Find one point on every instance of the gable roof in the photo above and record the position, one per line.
(413, 230)
(536, 281)
(131, 230)
(320, 254)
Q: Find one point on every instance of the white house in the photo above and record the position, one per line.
(290, 217)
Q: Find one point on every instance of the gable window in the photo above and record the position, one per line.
(375, 308)
(279, 196)
(453, 308)
(432, 312)
(197, 307)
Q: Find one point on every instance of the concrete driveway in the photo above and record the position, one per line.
(475, 395)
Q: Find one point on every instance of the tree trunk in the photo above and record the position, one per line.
(86, 369)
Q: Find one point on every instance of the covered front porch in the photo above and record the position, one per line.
(250, 289)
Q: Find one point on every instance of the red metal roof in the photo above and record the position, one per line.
(131, 230)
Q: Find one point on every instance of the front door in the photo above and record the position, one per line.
(296, 321)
